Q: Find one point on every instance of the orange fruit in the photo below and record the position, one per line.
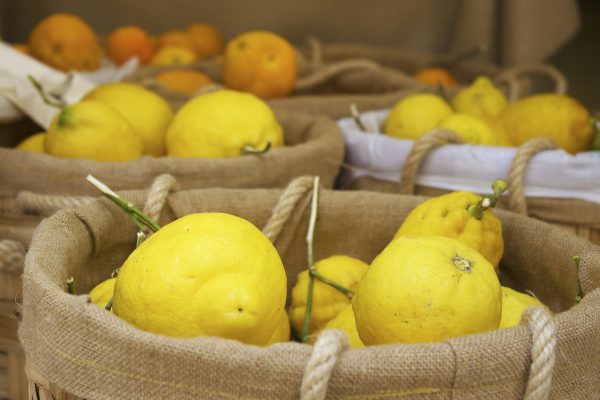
(261, 63)
(22, 47)
(183, 81)
(174, 55)
(127, 42)
(65, 42)
(435, 75)
(175, 38)
(206, 39)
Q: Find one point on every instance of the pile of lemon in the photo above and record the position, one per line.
(480, 114)
(215, 274)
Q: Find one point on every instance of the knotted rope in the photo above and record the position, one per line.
(543, 336)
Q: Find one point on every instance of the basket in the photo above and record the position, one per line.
(77, 350)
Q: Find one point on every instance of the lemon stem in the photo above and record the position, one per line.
(253, 150)
(108, 305)
(356, 117)
(71, 286)
(313, 271)
(40, 89)
(311, 258)
(579, 294)
(476, 210)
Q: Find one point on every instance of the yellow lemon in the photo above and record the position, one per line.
(557, 116)
(282, 331)
(499, 131)
(426, 289)
(102, 292)
(471, 129)
(327, 301)
(447, 215)
(148, 114)
(174, 55)
(480, 99)
(345, 321)
(34, 143)
(514, 305)
(208, 274)
(224, 123)
(415, 115)
(91, 130)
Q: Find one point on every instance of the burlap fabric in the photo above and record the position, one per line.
(75, 347)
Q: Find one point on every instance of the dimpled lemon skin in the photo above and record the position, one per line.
(34, 143)
(327, 301)
(148, 114)
(345, 322)
(415, 115)
(102, 292)
(220, 124)
(480, 99)
(426, 289)
(447, 215)
(514, 305)
(472, 130)
(208, 274)
(91, 130)
(559, 117)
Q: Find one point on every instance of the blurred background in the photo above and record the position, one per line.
(515, 32)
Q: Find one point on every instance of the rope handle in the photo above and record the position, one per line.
(12, 255)
(419, 151)
(330, 71)
(511, 77)
(516, 174)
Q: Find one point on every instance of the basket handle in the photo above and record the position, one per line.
(516, 174)
(419, 151)
(511, 77)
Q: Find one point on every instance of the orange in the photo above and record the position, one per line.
(261, 63)
(435, 75)
(65, 42)
(127, 42)
(174, 55)
(183, 81)
(206, 39)
(175, 38)
(22, 47)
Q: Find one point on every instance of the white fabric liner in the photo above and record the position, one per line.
(553, 174)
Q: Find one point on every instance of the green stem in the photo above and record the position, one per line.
(579, 294)
(40, 89)
(71, 286)
(311, 258)
(253, 150)
(476, 210)
(108, 306)
(313, 271)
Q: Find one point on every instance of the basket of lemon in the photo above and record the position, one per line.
(400, 297)
(542, 144)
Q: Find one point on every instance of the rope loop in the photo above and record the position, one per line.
(543, 352)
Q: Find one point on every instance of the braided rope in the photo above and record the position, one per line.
(419, 152)
(45, 204)
(330, 71)
(286, 205)
(157, 195)
(516, 173)
(12, 255)
(511, 76)
(543, 334)
(325, 354)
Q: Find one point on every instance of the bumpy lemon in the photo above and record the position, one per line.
(514, 305)
(91, 130)
(327, 301)
(447, 215)
(345, 322)
(208, 274)
(282, 331)
(174, 55)
(426, 289)
(34, 143)
(101, 294)
(148, 114)
(415, 115)
(471, 129)
(480, 99)
(221, 124)
(499, 131)
(557, 116)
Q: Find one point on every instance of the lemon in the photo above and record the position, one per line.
(34, 143)
(208, 274)
(471, 129)
(148, 114)
(480, 99)
(557, 116)
(222, 124)
(415, 115)
(91, 130)
(447, 215)
(426, 289)
(282, 331)
(174, 55)
(327, 301)
(103, 292)
(499, 131)
(514, 305)
(344, 321)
